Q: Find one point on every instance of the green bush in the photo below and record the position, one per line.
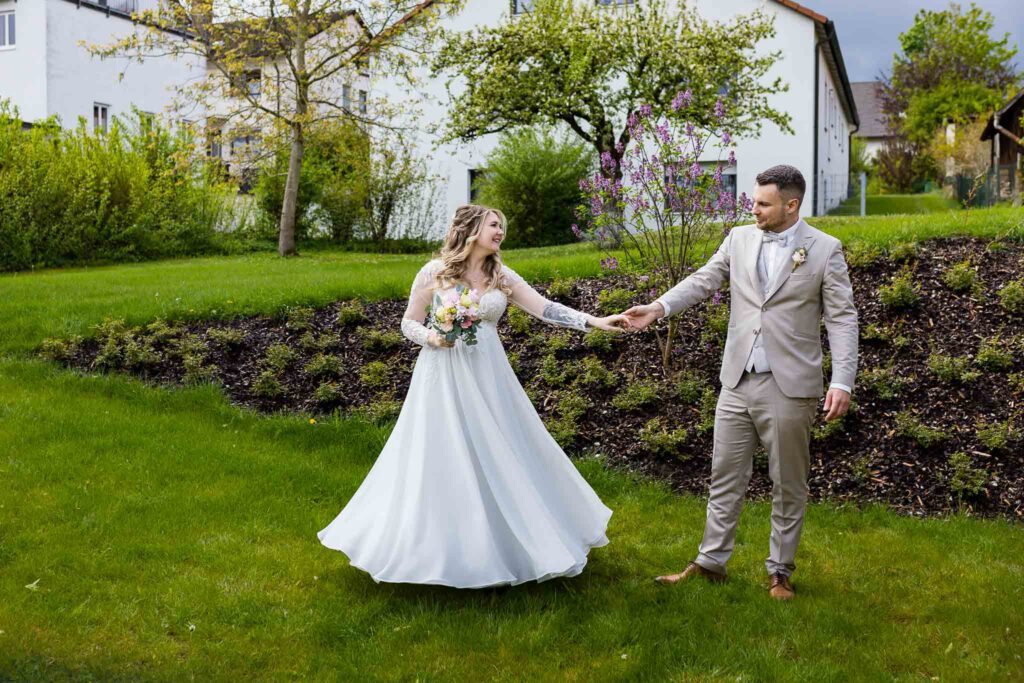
(909, 426)
(708, 406)
(901, 292)
(594, 374)
(533, 177)
(277, 357)
(572, 405)
(637, 395)
(993, 355)
(298, 318)
(903, 252)
(1011, 297)
(267, 385)
(556, 342)
(197, 371)
(323, 365)
(226, 337)
(60, 350)
(137, 192)
(381, 409)
(561, 288)
(952, 368)
(553, 372)
(961, 277)
(351, 313)
(996, 436)
(327, 392)
(380, 340)
(964, 478)
(600, 340)
(562, 430)
(860, 253)
(887, 383)
(374, 374)
(690, 386)
(1016, 380)
(659, 439)
(519, 321)
(716, 326)
(612, 301)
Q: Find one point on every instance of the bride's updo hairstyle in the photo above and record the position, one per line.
(459, 242)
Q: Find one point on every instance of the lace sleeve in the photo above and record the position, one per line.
(531, 301)
(419, 303)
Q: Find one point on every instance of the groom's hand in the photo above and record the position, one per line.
(837, 402)
(641, 316)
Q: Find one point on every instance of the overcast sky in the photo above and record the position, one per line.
(869, 29)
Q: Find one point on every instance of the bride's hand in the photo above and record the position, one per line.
(439, 342)
(610, 323)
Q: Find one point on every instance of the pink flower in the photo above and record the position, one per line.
(467, 323)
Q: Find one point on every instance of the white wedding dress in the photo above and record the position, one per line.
(470, 490)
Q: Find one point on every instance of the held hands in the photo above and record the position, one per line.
(611, 323)
(640, 317)
(837, 402)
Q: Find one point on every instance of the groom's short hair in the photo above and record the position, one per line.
(788, 179)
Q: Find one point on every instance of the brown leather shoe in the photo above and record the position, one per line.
(781, 588)
(693, 569)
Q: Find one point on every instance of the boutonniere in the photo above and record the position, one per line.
(799, 256)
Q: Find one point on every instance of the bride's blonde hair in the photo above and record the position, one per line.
(458, 245)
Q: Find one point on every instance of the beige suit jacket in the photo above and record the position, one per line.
(789, 317)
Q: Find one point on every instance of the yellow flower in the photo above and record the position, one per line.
(312, 421)
(465, 300)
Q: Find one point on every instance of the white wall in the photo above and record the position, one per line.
(833, 143)
(23, 67)
(75, 79)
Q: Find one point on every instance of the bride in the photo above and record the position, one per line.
(470, 490)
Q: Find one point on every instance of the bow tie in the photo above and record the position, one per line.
(773, 237)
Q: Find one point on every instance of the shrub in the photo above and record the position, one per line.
(267, 385)
(139, 353)
(600, 340)
(557, 342)
(323, 365)
(197, 371)
(562, 430)
(1011, 297)
(226, 337)
(716, 326)
(298, 318)
(135, 193)
(327, 392)
(828, 428)
(514, 361)
(277, 357)
(351, 313)
(992, 355)
(903, 252)
(534, 177)
(860, 470)
(190, 344)
(860, 253)
(901, 292)
(638, 394)
(1016, 380)
(594, 374)
(952, 368)
(374, 374)
(571, 405)
(658, 439)
(964, 478)
(887, 383)
(519, 320)
(381, 409)
(909, 426)
(961, 277)
(611, 301)
(380, 340)
(163, 331)
(561, 288)
(708, 405)
(60, 350)
(996, 436)
(553, 372)
(690, 386)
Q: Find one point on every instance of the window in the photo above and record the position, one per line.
(253, 82)
(520, 6)
(475, 176)
(8, 37)
(346, 97)
(215, 138)
(363, 102)
(100, 117)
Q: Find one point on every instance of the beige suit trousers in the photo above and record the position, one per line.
(756, 409)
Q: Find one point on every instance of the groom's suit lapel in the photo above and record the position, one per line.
(801, 238)
(753, 251)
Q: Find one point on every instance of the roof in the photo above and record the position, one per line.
(826, 32)
(1009, 116)
(866, 95)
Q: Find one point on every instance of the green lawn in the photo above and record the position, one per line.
(159, 534)
(888, 204)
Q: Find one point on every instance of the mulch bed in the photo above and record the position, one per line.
(867, 460)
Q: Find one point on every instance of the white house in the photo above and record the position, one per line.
(45, 71)
(819, 100)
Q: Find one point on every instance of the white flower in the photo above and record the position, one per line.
(799, 256)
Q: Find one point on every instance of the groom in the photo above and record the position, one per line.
(784, 277)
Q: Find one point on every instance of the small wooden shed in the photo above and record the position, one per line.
(1006, 131)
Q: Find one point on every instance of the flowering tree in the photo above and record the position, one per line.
(662, 205)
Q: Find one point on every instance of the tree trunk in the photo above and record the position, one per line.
(286, 229)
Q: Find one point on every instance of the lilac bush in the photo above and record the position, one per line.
(666, 205)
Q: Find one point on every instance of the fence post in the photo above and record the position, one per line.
(863, 193)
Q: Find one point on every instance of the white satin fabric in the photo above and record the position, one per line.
(470, 490)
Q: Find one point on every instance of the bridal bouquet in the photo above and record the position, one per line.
(454, 314)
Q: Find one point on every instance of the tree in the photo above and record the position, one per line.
(279, 67)
(534, 175)
(950, 70)
(591, 67)
(402, 199)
